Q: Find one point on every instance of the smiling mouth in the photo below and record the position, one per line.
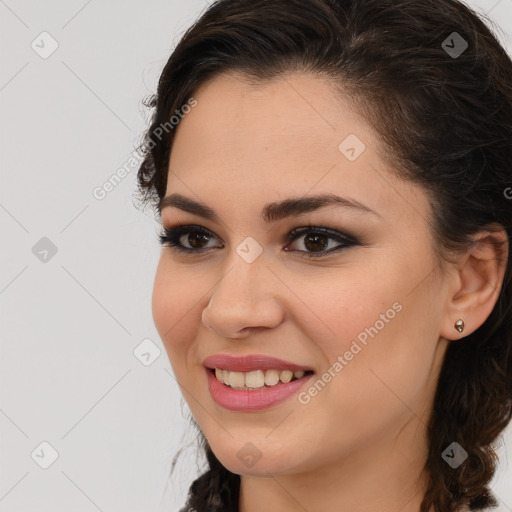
(257, 379)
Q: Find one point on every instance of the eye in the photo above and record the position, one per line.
(316, 239)
(195, 235)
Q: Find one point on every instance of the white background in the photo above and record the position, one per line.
(68, 327)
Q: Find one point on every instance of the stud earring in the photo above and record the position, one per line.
(459, 325)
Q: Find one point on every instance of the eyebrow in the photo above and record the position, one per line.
(271, 211)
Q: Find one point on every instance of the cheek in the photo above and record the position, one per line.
(343, 306)
(369, 330)
(174, 308)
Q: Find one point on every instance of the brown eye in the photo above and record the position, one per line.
(318, 240)
(195, 239)
(196, 236)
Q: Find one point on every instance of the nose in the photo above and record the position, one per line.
(244, 300)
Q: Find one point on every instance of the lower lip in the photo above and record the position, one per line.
(255, 400)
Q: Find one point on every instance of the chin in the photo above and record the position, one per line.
(252, 461)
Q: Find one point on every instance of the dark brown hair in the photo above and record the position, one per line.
(445, 114)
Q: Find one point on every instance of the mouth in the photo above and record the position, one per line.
(257, 379)
(247, 391)
(253, 382)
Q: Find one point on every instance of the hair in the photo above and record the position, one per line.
(446, 122)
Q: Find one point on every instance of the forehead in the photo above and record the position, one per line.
(298, 111)
(255, 143)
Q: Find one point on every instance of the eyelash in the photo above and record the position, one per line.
(171, 235)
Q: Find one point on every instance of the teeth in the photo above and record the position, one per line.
(236, 379)
(272, 377)
(256, 379)
(286, 376)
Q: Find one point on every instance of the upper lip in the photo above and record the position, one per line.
(251, 362)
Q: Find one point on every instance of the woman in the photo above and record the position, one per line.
(334, 290)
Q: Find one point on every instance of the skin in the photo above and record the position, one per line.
(361, 440)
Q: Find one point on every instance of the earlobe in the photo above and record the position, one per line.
(480, 272)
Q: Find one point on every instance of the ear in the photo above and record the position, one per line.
(477, 280)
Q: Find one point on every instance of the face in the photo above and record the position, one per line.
(357, 303)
